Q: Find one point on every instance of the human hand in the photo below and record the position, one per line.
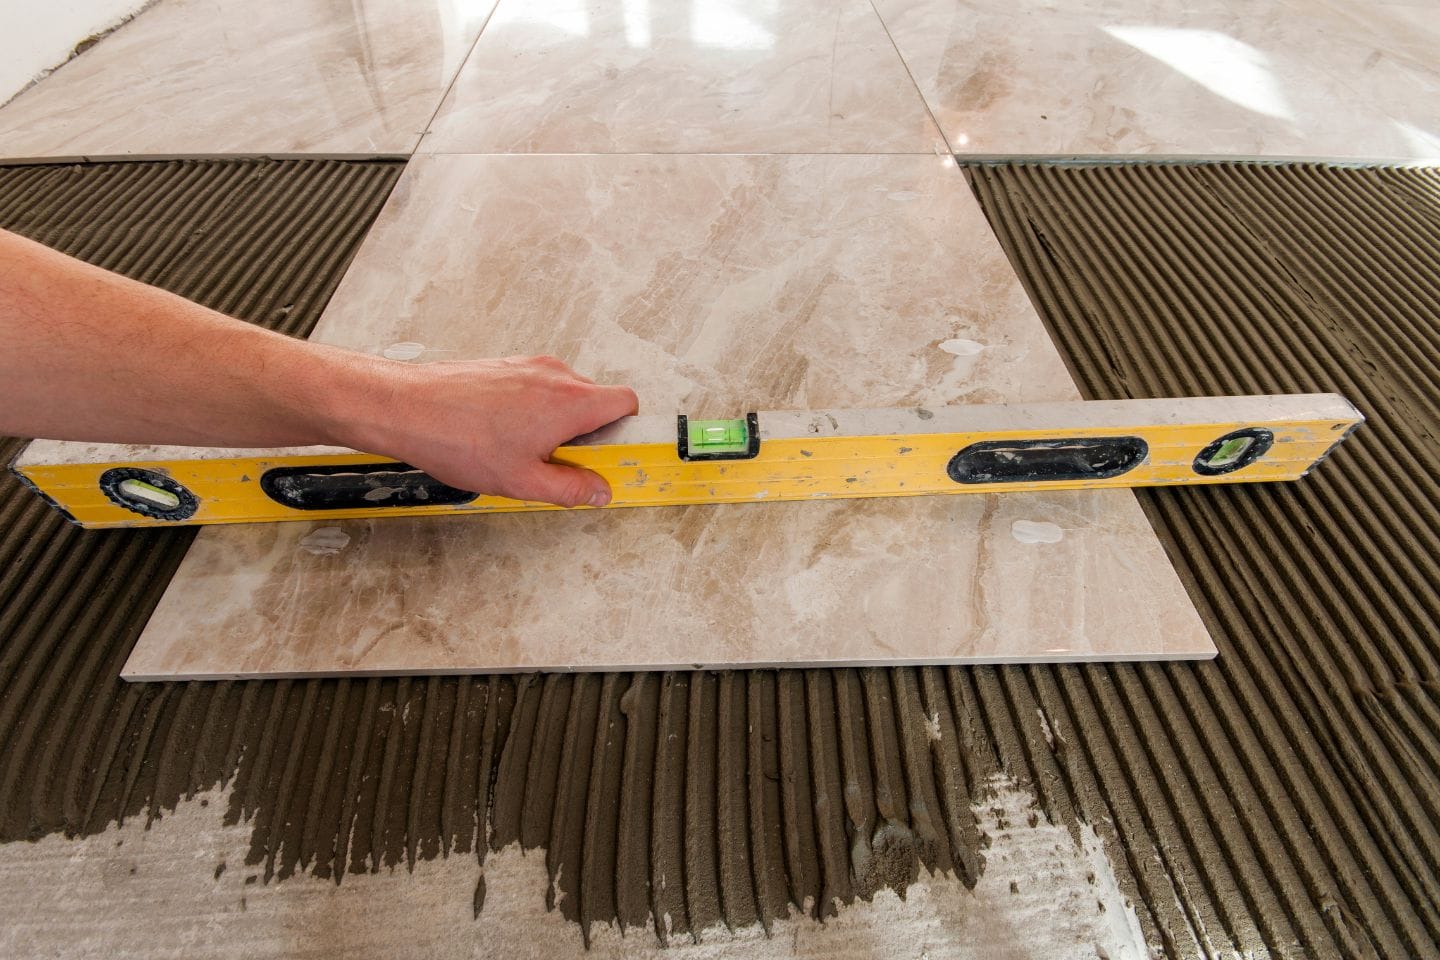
(491, 425)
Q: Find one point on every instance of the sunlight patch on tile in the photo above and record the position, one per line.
(1270, 78)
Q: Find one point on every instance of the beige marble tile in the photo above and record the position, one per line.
(714, 284)
(707, 283)
(1386, 54)
(684, 76)
(1140, 77)
(268, 76)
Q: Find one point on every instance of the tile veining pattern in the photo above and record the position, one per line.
(713, 285)
(1324, 78)
(208, 77)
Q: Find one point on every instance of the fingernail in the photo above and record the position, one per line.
(599, 498)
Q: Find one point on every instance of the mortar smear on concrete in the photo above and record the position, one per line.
(181, 888)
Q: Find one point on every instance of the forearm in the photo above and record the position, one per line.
(89, 355)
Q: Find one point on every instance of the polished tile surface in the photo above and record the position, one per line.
(1323, 78)
(207, 77)
(697, 76)
(1388, 54)
(1272, 77)
(713, 284)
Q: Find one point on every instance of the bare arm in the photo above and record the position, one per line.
(89, 355)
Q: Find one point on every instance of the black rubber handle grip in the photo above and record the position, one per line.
(358, 487)
(1032, 461)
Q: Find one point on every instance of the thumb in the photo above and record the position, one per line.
(564, 486)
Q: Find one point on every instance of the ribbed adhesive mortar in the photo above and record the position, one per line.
(1281, 798)
(1290, 786)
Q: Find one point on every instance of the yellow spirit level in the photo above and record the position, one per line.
(656, 460)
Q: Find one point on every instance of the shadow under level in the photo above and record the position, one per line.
(1283, 797)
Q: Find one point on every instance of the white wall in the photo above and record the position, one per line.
(37, 36)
